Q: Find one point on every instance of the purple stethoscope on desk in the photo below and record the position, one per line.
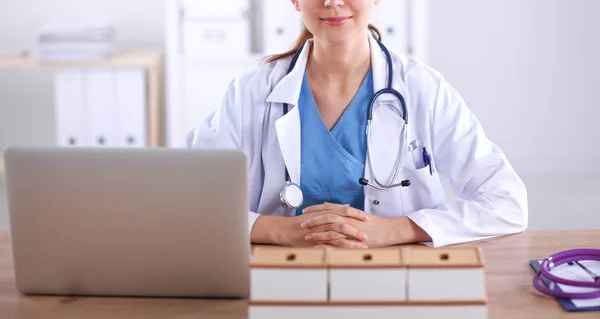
(569, 256)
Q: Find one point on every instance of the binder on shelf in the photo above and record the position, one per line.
(81, 85)
(100, 87)
(70, 108)
(130, 100)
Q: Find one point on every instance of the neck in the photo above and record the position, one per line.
(340, 61)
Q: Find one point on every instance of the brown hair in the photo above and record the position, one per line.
(305, 35)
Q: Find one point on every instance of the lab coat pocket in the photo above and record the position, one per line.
(425, 190)
(421, 157)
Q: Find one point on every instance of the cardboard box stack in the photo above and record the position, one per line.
(399, 282)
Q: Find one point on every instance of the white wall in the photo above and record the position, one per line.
(526, 67)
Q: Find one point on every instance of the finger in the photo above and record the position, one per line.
(320, 229)
(341, 210)
(324, 236)
(345, 243)
(341, 228)
(321, 207)
(351, 212)
(321, 220)
(348, 231)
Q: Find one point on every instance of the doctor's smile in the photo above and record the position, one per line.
(336, 21)
(347, 143)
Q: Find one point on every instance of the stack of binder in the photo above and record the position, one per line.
(69, 40)
(101, 107)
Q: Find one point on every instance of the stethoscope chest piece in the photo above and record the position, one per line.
(291, 196)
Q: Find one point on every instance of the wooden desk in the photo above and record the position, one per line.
(509, 288)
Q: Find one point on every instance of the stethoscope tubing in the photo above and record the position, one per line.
(567, 256)
(387, 90)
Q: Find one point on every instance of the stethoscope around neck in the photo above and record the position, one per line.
(291, 196)
(572, 257)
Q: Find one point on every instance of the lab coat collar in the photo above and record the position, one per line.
(288, 88)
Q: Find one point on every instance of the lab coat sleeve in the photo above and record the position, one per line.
(491, 199)
(222, 129)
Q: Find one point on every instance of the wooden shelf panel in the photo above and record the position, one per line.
(118, 60)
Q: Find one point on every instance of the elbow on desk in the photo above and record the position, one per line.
(524, 220)
(507, 211)
(520, 222)
(514, 212)
(521, 208)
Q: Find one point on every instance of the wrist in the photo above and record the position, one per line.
(395, 230)
(266, 230)
(406, 231)
(277, 230)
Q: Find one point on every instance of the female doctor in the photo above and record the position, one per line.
(301, 120)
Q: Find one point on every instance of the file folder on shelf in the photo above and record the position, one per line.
(70, 110)
(100, 99)
(131, 117)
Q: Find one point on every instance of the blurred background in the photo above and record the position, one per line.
(141, 73)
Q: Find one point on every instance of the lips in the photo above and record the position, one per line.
(336, 21)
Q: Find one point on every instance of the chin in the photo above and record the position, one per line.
(337, 38)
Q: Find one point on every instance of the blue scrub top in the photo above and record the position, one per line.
(333, 161)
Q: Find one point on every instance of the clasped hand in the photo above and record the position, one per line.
(342, 226)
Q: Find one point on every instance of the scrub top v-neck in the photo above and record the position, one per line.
(333, 161)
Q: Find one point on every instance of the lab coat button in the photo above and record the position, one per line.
(376, 202)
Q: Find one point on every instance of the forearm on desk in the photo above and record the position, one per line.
(269, 230)
(277, 230)
(403, 230)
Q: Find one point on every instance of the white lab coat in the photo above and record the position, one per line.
(491, 200)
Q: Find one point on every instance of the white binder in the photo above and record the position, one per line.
(392, 18)
(70, 110)
(131, 108)
(100, 99)
(282, 25)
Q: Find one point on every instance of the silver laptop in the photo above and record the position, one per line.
(129, 222)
